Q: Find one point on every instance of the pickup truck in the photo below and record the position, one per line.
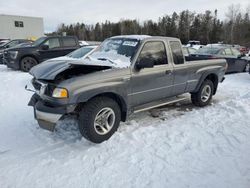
(42, 49)
(124, 75)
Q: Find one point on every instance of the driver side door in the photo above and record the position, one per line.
(53, 51)
(155, 83)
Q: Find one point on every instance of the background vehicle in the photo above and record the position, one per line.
(44, 48)
(188, 51)
(3, 41)
(194, 44)
(236, 62)
(83, 43)
(126, 74)
(80, 53)
(11, 44)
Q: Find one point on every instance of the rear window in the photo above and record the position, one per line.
(69, 41)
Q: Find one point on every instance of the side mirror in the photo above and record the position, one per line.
(44, 47)
(145, 62)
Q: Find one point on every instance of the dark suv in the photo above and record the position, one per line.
(11, 44)
(44, 48)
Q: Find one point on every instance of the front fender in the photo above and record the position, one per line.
(84, 94)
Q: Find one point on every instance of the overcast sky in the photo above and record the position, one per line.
(55, 12)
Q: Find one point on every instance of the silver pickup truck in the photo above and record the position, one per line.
(125, 75)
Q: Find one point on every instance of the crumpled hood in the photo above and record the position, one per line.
(48, 70)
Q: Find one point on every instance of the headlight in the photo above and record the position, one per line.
(60, 93)
(13, 54)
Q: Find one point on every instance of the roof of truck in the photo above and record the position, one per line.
(142, 37)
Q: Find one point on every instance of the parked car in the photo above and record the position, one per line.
(125, 75)
(80, 53)
(243, 50)
(235, 60)
(83, 43)
(194, 44)
(4, 41)
(11, 44)
(188, 51)
(44, 48)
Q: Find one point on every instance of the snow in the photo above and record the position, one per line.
(112, 59)
(176, 146)
(138, 37)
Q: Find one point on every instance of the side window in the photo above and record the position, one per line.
(185, 51)
(53, 43)
(12, 44)
(177, 52)
(228, 51)
(155, 51)
(68, 42)
(222, 52)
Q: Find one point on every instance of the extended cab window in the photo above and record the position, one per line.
(68, 42)
(177, 52)
(154, 51)
(53, 43)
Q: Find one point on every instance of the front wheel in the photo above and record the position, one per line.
(204, 95)
(99, 119)
(27, 63)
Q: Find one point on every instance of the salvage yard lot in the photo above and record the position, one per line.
(176, 146)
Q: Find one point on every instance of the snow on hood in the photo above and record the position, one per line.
(63, 58)
(48, 70)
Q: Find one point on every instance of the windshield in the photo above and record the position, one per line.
(205, 50)
(117, 50)
(81, 52)
(39, 41)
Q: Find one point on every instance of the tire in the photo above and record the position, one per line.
(204, 95)
(247, 68)
(27, 63)
(93, 126)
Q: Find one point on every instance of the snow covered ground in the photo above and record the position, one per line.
(176, 146)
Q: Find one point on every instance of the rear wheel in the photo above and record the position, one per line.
(27, 63)
(204, 95)
(99, 119)
(247, 68)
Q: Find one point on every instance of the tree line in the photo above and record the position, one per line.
(186, 25)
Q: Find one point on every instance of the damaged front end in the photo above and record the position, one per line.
(50, 101)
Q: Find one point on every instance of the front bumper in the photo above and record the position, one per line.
(14, 64)
(48, 115)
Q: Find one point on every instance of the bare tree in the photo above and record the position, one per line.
(233, 11)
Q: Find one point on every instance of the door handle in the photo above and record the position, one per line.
(168, 72)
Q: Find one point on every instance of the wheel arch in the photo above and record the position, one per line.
(28, 55)
(116, 97)
(209, 76)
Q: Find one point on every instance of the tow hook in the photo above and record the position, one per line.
(27, 89)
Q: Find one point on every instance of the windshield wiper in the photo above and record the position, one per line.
(106, 59)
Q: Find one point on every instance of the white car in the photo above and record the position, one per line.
(83, 43)
(80, 53)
